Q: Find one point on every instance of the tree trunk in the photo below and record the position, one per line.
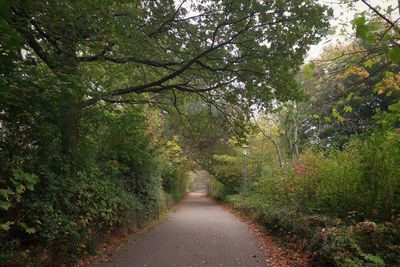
(295, 137)
(289, 140)
(70, 115)
(278, 153)
(278, 150)
(70, 104)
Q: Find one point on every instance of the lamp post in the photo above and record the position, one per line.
(244, 151)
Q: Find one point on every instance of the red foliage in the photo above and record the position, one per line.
(299, 168)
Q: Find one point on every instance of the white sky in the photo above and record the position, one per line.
(342, 19)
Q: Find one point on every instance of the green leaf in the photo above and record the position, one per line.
(337, 115)
(368, 64)
(349, 96)
(20, 189)
(315, 116)
(6, 226)
(30, 230)
(309, 70)
(5, 205)
(376, 260)
(5, 193)
(365, 31)
(389, 9)
(394, 55)
(327, 119)
(362, 29)
(348, 109)
(375, 25)
(359, 21)
(395, 107)
(389, 74)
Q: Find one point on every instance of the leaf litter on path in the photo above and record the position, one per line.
(277, 255)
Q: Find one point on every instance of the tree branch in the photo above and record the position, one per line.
(381, 15)
(144, 87)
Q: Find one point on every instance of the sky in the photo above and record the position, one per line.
(342, 18)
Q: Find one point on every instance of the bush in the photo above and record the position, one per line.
(52, 214)
(220, 191)
(344, 202)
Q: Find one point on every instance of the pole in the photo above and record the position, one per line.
(244, 171)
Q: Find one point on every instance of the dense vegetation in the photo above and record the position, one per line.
(324, 172)
(99, 98)
(124, 179)
(106, 107)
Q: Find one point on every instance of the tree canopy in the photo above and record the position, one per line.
(241, 52)
(234, 55)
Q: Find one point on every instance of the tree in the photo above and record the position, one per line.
(266, 131)
(227, 52)
(344, 101)
(352, 82)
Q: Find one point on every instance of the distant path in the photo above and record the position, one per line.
(199, 233)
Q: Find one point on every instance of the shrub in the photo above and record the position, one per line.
(52, 214)
(344, 202)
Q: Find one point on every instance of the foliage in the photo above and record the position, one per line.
(98, 134)
(219, 191)
(344, 99)
(338, 192)
(51, 218)
(253, 46)
(12, 195)
(377, 28)
(344, 202)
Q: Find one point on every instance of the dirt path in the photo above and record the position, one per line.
(199, 233)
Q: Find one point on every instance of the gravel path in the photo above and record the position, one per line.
(198, 233)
